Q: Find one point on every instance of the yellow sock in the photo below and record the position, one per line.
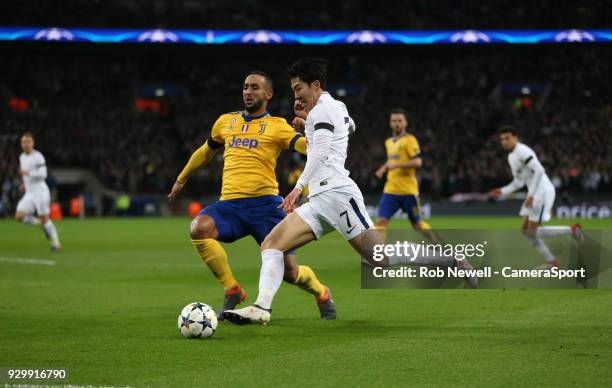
(425, 225)
(308, 281)
(215, 257)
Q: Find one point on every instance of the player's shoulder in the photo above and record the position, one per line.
(321, 112)
(409, 138)
(276, 120)
(523, 149)
(37, 154)
(229, 116)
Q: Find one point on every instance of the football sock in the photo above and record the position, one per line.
(270, 277)
(425, 225)
(51, 232)
(215, 257)
(541, 247)
(552, 231)
(308, 281)
(31, 220)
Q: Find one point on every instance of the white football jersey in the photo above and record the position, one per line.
(34, 163)
(328, 115)
(526, 170)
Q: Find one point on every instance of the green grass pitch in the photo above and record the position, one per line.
(107, 311)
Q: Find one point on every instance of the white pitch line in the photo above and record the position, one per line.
(23, 260)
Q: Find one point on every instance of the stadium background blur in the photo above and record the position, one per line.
(132, 114)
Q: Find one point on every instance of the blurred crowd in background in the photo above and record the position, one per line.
(134, 119)
(327, 14)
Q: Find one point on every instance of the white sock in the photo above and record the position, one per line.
(539, 244)
(31, 220)
(52, 232)
(552, 231)
(270, 277)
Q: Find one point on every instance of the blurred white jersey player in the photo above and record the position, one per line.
(33, 208)
(335, 201)
(528, 171)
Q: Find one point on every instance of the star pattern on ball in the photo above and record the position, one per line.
(185, 321)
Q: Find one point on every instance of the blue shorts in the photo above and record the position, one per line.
(237, 218)
(390, 203)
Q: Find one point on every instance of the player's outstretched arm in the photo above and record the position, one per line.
(198, 159)
(508, 189)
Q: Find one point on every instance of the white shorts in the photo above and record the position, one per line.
(541, 210)
(341, 208)
(32, 203)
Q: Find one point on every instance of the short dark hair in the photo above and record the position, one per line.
(28, 134)
(310, 70)
(399, 111)
(265, 76)
(507, 129)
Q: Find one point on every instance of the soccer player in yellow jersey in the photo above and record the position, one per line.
(249, 203)
(402, 188)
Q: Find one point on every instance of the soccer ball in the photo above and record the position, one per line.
(197, 320)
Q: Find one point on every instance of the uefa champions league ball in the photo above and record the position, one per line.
(197, 320)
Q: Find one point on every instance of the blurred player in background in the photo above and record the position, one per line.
(335, 201)
(401, 190)
(527, 170)
(33, 207)
(249, 203)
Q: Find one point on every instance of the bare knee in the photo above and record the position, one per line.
(44, 219)
(203, 227)
(19, 216)
(270, 242)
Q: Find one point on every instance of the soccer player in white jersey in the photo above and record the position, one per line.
(33, 208)
(335, 201)
(528, 171)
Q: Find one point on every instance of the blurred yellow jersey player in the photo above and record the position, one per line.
(249, 204)
(401, 190)
(402, 150)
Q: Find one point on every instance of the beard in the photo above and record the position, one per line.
(255, 107)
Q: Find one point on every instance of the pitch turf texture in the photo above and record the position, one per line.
(107, 311)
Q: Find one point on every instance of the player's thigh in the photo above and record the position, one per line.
(259, 220)
(25, 205)
(387, 207)
(291, 233)
(41, 203)
(345, 210)
(541, 208)
(548, 200)
(411, 206)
